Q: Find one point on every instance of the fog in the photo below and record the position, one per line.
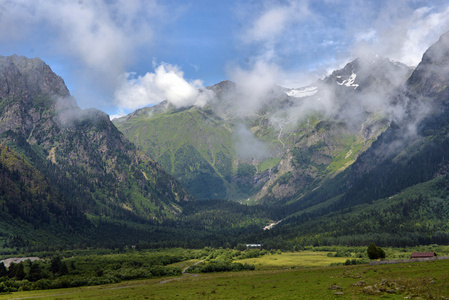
(247, 145)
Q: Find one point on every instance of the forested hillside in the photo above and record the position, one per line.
(67, 166)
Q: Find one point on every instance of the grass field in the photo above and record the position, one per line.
(292, 260)
(424, 280)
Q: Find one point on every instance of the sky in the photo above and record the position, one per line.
(121, 55)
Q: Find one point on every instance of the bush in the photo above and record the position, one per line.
(253, 253)
(220, 266)
(241, 247)
(42, 284)
(375, 252)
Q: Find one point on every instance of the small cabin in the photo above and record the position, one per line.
(253, 245)
(423, 254)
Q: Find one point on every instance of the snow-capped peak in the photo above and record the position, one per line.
(348, 82)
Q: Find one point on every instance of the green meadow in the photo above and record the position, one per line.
(425, 280)
(293, 260)
(277, 275)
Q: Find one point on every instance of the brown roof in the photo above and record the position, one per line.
(423, 254)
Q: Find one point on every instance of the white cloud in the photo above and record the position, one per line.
(273, 19)
(166, 83)
(112, 117)
(269, 24)
(283, 40)
(99, 38)
(101, 34)
(403, 34)
(247, 145)
(270, 21)
(366, 36)
(253, 85)
(426, 28)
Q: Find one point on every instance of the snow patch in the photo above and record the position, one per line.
(302, 92)
(350, 81)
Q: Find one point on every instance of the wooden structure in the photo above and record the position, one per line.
(423, 254)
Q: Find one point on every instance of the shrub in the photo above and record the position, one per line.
(375, 252)
(220, 266)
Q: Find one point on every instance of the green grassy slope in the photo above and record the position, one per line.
(192, 144)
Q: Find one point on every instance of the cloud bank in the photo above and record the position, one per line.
(317, 37)
(165, 83)
(253, 86)
(100, 38)
(277, 32)
(402, 33)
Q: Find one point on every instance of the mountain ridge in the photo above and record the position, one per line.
(80, 153)
(270, 132)
(411, 155)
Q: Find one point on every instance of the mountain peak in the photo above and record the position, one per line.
(368, 69)
(438, 53)
(19, 73)
(223, 86)
(431, 75)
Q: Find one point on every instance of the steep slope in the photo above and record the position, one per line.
(416, 144)
(341, 116)
(275, 147)
(197, 145)
(86, 166)
(27, 194)
(192, 144)
(403, 173)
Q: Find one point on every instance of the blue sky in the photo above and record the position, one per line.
(119, 55)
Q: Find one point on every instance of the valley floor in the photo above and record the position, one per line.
(423, 280)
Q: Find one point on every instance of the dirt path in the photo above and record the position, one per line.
(184, 273)
(185, 269)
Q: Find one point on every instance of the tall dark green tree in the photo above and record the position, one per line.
(12, 270)
(55, 264)
(35, 272)
(20, 271)
(3, 271)
(375, 252)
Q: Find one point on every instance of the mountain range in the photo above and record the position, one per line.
(356, 157)
(289, 137)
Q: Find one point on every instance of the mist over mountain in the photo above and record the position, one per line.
(243, 145)
(338, 161)
(401, 175)
(373, 132)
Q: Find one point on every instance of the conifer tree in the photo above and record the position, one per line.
(3, 271)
